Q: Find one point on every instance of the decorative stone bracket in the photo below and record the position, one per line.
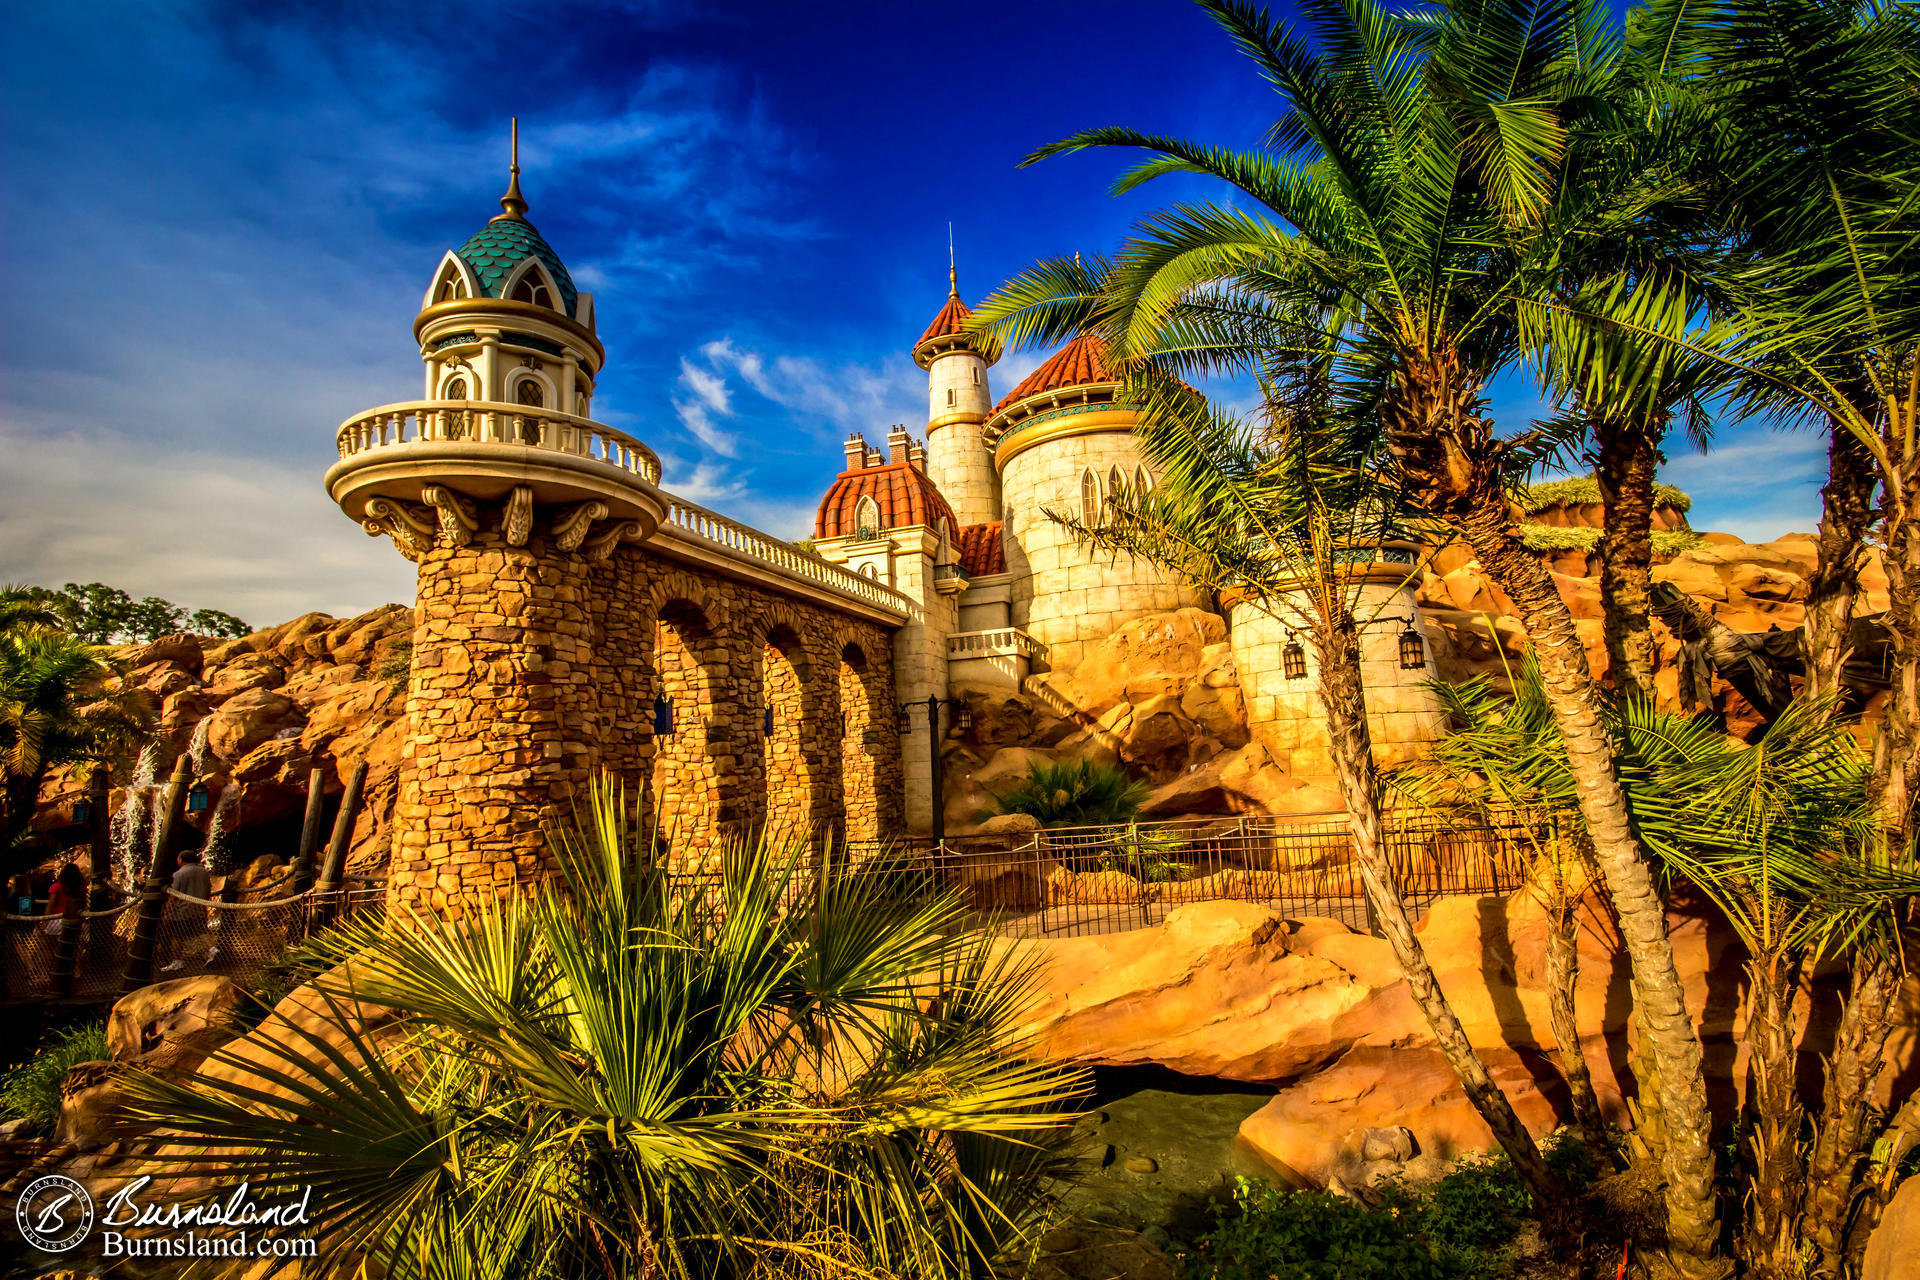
(450, 519)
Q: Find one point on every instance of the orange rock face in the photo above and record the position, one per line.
(1231, 989)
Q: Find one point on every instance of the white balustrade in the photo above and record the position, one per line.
(993, 643)
(747, 541)
(417, 422)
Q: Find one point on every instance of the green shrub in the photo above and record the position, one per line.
(1548, 537)
(1073, 793)
(1577, 490)
(397, 666)
(31, 1091)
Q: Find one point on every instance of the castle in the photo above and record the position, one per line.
(574, 617)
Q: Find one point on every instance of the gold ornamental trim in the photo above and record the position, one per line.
(1016, 442)
(506, 309)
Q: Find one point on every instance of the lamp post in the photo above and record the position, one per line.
(963, 721)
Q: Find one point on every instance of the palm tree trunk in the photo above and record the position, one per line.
(1628, 454)
(1771, 1245)
(1444, 446)
(1897, 777)
(1337, 646)
(1563, 973)
(1859, 1053)
(1846, 511)
(1692, 1211)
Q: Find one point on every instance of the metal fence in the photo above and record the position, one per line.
(241, 941)
(1086, 880)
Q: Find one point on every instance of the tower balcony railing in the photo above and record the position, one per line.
(687, 521)
(999, 642)
(428, 422)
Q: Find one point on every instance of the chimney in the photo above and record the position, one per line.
(917, 455)
(897, 440)
(856, 451)
(875, 458)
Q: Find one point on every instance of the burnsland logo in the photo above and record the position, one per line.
(54, 1213)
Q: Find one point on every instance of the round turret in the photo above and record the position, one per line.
(1064, 442)
(958, 402)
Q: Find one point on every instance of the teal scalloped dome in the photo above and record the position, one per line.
(500, 246)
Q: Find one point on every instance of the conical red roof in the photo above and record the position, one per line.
(1081, 363)
(952, 320)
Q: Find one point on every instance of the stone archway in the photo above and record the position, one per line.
(692, 778)
(867, 728)
(790, 727)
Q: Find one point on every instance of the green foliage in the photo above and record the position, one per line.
(761, 1074)
(397, 666)
(214, 622)
(1073, 793)
(1580, 490)
(54, 710)
(1460, 1228)
(31, 1091)
(1547, 537)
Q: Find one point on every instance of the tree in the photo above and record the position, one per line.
(630, 1074)
(152, 618)
(1423, 178)
(1273, 512)
(95, 612)
(26, 607)
(212, 622)
(55, 710)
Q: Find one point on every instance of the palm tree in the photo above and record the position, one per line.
(629, 1074)
(1416, 189)
(26, 607)
(55, 710)
(1273, 511)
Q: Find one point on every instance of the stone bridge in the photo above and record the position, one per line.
(574, 617)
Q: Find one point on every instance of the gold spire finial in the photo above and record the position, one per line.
(953, 277)
(513, 202)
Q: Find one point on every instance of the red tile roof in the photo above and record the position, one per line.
(979, 548)
(902, 491)
(952, 319)
(1081, 363)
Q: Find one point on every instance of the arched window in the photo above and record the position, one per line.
(529, 392)
(450, 288)
(456, 388)
(1116, 481)
(1089, 497)
(976, 375)
(866, 519)
(532, 287)
(949, 397)
(1141, 480)
(869, 571)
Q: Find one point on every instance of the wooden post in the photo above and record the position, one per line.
(327, 891)
(303, 862)
(153, 891)
(99, 841)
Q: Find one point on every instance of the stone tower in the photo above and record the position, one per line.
(511, 502)
(958, 404)
(1062, 441)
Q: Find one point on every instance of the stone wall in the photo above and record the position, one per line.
(533, 668)
(1067, 595)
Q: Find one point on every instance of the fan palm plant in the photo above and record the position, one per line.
(629, 1074)
(1780, 834)
(1426, 173)
(1287, 512)
(55, 710)
(1073, 793)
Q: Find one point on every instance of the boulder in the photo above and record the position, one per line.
(248, 719)
(174, 1025)
(1893, 1250)
(182, 650)
(91, 1096)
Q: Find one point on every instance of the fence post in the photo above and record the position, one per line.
(99, 841)
(153, 891)
(335, 869)
(310, 829)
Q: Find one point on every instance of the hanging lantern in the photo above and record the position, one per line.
(1413, 651)
(662, 716)
(197, 798)
(906, 717)
(767, 720)
(963, 717)
(1293, 659)
(83, 809)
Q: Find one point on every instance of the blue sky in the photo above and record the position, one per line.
(217, 221)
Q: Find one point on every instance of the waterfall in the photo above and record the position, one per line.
(132, 830)
(197, 747)
(216, 850)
